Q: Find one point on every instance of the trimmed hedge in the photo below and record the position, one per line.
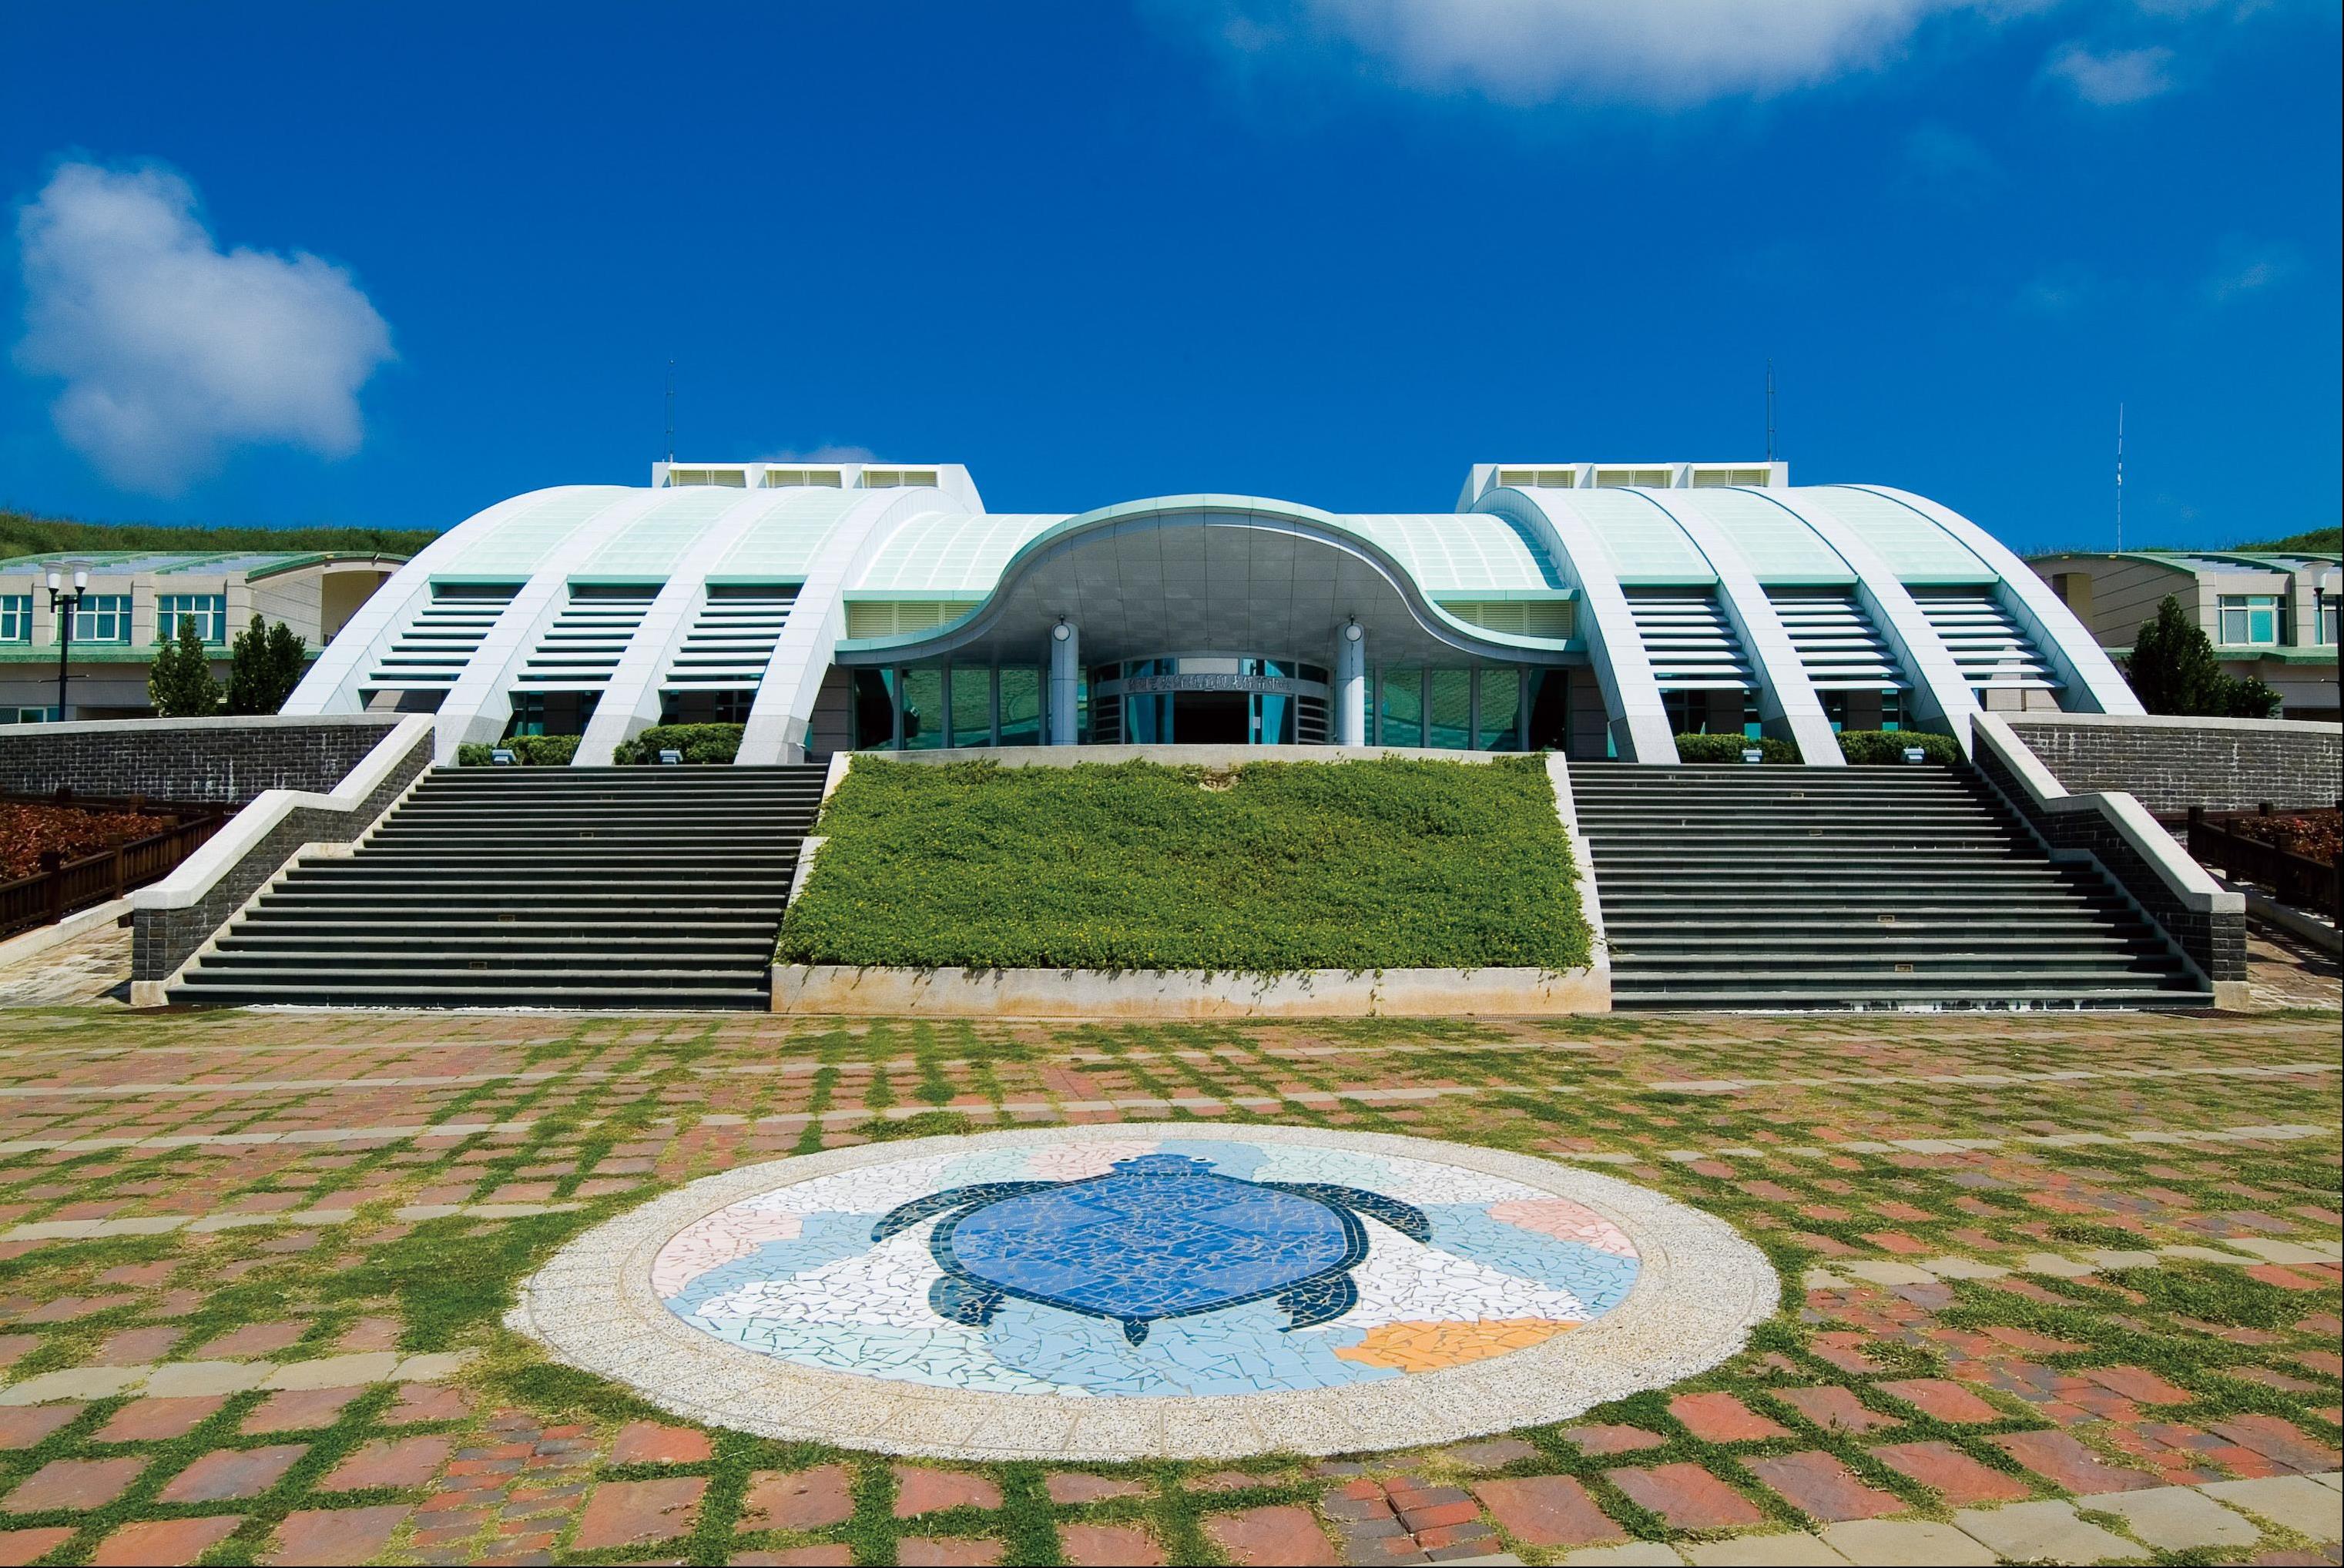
(529, 751)
(1728, 748)
(1865, 747)
(1267, 869)
(700, 743)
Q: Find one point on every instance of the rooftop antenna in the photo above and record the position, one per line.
(2120, 478)
(1770, 410)
(671, 413)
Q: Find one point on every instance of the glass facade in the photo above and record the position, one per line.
(1210, 700)
(103, 617)
(2250, 620)
(932, 706)
(208, 611)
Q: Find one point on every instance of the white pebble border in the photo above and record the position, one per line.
(1700, 1290)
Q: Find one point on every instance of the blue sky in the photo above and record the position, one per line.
(1328, 250)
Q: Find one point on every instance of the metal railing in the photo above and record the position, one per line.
(2292, 878)
(61, 887)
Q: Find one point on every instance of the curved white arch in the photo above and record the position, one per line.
(2090, 675)
(1785, 695)
(479, 704)
(630, 700)
(782, 712)
(1632, 697)
(333, 682)
(1940, 691)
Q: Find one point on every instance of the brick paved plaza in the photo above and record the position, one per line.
(2066, 1288)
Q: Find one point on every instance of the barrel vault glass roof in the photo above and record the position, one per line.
(780, 545)
(647, 548)
(1643, 542)
(952, 552)
(521, 544)
(1915, 548)
(1782, 550)
(1457, 552)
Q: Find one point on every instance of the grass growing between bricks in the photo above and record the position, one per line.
(1913, 1401)
(1263, 870)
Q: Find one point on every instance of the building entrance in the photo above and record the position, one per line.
(1212, 718)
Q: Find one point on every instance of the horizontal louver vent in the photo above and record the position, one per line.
(431, 650)
(1985, 642)
(730, 640)
(1689, 643)
(1521, 618)
(901, 618)
(1838, 647)
(582, 648)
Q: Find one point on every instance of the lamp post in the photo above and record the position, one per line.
(57, 596)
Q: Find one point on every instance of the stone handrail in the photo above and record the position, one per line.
(174, 918)
(2201, 917)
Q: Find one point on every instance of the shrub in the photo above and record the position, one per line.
(2174, 669)
(179, 683)
(1866, 747)
(1728, 748)
(529, 751)
(265, 665)
(1267, 868)
(712, 743)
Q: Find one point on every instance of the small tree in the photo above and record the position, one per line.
(2173, 669)
(288, 660)
(180, 684)
(264, 666)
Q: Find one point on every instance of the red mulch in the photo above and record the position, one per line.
(26, 830)
(2319, 834)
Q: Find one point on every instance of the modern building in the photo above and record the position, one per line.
(2270, 615)
(1596, 609)
(136, 601)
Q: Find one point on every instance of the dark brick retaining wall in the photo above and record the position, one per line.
(229, 760)
(2216, 943)
(2169, 767)
(163, 940)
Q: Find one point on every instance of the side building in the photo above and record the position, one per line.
(135, 601)
(2270, 615)
(1596, 609)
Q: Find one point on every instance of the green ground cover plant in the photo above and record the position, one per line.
(1269, 868)
(1887, 745)
(529, 751)
(700, 743)
(1728, 748)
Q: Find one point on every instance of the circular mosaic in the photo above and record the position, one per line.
(1110, 1293)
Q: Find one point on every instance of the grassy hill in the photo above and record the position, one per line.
(25, 535)
(2317, 539)
(1271, 868)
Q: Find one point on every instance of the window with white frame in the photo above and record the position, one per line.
(103, 617)
(208, 610)
(2327, 619)
(15, 618)
(2249, 620)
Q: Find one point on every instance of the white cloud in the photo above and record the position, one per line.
(174, 351)
(2244, 270)
(2120, 76)
(1532, 51)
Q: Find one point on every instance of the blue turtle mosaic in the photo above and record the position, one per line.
(1127, 1265)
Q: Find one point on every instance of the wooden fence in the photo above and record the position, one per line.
(59, 888)
(2292, 878)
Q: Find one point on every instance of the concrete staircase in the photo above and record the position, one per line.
(1729, 887)
(535, 887)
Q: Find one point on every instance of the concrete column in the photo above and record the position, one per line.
(1351, 686)
(1066, 676)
